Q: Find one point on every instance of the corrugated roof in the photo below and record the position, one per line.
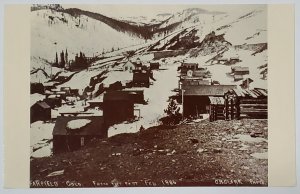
(96, 127)
(207, 90)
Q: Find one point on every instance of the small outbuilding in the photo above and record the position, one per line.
(129, 66)
(40, 111)
(71, 133)
(154, 66)
(141, 79)
(117, 107)
(238, 70)
(37, 88)
(196, 98)
(137, 96)
(246, 103)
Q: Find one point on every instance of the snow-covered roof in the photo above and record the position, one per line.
(42, 104)
(207, 90)
(95, 127)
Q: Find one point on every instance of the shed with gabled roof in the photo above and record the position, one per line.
(68, 137)
(40, 111)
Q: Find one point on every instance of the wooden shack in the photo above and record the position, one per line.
(129, 66)
(68, 136)
(246, 103)
(141, 79)
(196, 97)
(187, 66)
(137, 96)
(238, 77)
(238, 70)
(117, 107)
(37, 88)
(40, 111)
(194, 82)
(154, 66)
(53, 100)
(216, 108)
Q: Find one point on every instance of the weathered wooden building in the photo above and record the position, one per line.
(117, 107)
(238, 70)
(196, 97)
(246, 83)
(238, 77)
(137, 96)
(53, 100)
(245, 103)
(154, 66)
(69, 136)
(129, 66)
(194, 82)
(40, 111)
(141, 79)
(216, 108)
(37, 88)
(187, 66)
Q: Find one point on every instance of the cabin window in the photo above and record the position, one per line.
(125, 68)
(82, 141)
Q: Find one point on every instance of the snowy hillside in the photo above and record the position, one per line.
(53, 31)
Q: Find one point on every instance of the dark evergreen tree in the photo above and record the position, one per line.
(56, 59)
(66, 57)
(173, 116)
(62, 59)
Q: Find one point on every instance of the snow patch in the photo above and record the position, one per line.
(78, 124)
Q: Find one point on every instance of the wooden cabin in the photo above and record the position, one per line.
(117, 107)
(216, 108)
(245, 103)
(238, 77)
(68, 136)
(141, 79)
(193, 66)
(154, 66)
(129, 66)
(196, 97)
(40, 111)
(246, 83)
(37, 88)
(238, 70)
(137, 96)
(194, 82)
(53, 100)
(187, 66)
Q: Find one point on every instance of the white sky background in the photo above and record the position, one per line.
(117, 11)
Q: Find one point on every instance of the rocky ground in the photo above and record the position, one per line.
(220, 153)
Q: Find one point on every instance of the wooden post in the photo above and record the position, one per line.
(215, 113)
(231, 109)
(210, 113)
(238, 109)
(226, 109)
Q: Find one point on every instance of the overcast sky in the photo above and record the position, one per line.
(152, 10)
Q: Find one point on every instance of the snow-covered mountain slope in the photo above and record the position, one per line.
(53, 31)
(249, 27)
(143, 20)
